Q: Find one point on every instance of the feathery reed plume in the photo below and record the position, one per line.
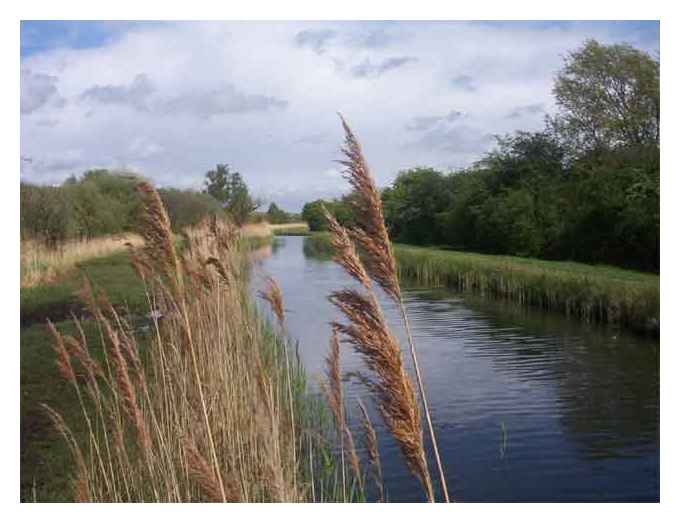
(368, 333)
(273, 295)
(371, 441)
(346, 255)
(201, 472)
(157, 234)
(371, 235)
(125, 386)
(63, 357)
(336, 403)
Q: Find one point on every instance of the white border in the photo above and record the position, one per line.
(344, 10)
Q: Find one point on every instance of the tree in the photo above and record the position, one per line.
(188, 207)
(276, 215)
(608, 96)
(412, 203)
(231, 191)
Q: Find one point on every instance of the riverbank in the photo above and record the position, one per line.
(245, 366)
(290, 229)
(591, 293)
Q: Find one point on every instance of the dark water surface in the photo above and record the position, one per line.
(527, 405)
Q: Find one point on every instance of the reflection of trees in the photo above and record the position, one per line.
(317, 248)
(606, 381)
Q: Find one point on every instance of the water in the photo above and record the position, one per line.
(527, 405)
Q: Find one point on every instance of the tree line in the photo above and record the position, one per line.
(102, 202)
(585, 188)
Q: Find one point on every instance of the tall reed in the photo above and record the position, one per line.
(367, 329)
(200, 405)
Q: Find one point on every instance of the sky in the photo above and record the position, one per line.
(172, 100)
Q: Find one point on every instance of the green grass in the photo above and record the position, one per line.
(111, 273)
(589, 292)
(46, 462)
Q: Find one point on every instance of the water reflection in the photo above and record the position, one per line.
(529, 406)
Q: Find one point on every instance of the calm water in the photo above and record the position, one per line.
(527, 406)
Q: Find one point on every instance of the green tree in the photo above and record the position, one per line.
(188, 207)
(277, 215)
(608, 96)
(231, 191)
(412, 203)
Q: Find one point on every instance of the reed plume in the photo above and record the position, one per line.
(364, 312)
(371, 442)
(336, 403)
(159, 249)
(273, 295)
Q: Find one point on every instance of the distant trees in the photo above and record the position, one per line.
(100, 202)
(231, 191)
(312, 213)
(186, 207)
(277, 215)
(585, 188)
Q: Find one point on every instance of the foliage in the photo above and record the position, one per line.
(312, 213)
(100, 203)
(186, 207)
(608, 97)
(277, 215)
(231, 191)
(586, 188)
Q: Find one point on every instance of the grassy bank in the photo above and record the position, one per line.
(290, 229)
(136, 427)
(591, 293)
(46, 462)
(42, 265)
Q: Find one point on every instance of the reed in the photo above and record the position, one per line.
(206, 404)
(367, 330)
(597, 294)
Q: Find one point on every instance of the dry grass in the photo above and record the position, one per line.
(207, 406)
(291, 229)
(256, 230)
(42, 265)
(366, 330)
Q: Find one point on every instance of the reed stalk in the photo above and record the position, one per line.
(378, 264)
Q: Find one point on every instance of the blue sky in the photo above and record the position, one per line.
(171, 100)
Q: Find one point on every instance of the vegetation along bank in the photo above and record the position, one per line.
(591, 293)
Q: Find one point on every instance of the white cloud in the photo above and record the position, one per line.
(173, 100)
(37, 90)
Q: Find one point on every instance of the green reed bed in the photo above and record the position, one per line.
(591, 293)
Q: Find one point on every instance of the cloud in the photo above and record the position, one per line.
(37, 90)
(315, 40)
(377, 38)
(174, 99)
(461, 139)
(464, 82)
(312, 139)
(366, 69)
(224, 100)
(524, 110)
(136, 94)
(422, 123)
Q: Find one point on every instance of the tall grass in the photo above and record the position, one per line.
(41, 264)
(209, 405)
(366, 329)
(589, 293)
